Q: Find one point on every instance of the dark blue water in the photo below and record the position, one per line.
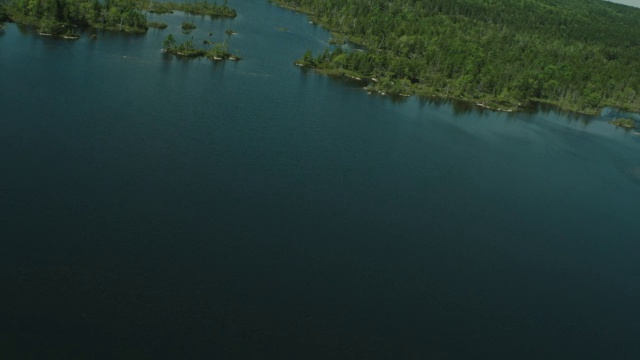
(154, 207)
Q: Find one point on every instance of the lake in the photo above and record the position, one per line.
(156, 207)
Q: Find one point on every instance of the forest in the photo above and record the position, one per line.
(197, 8)
(581, 55)
(59, 17)
(3, 15)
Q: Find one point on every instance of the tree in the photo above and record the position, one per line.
(169, 43)
(3, 14)
(308, 60)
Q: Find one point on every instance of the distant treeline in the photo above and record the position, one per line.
(197, 8)
(60, 16)
(579, 54)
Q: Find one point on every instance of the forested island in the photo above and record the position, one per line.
(581, 55)
(188, 49)
(60, 17)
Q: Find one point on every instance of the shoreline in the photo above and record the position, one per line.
(371, 88)
(502, 105)
(481, 103)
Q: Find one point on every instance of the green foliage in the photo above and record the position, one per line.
(188, 49)
(58, 16)
(50, 26)
(624, 123)
(157, 25)
(579, 54)
(3, 14)
(307, 60)
(188, 26)
(338, 40)
(218, 52)
(194, 8)
(160, 8)
(169, 43)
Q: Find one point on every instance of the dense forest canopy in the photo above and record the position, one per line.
(60, 16)
(3, 13)
(580, 54)
(194, 8)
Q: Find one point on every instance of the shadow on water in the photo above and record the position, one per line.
(459, 107)
(343, 80)
(431, 101)
(398, 99)
(570, 116)
(463, 107)
(27, 29)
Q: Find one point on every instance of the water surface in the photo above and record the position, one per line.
(159, 207)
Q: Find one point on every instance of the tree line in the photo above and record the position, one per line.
(579, 54)
(195, 8)
(60, 16)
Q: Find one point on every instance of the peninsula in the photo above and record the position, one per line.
(581, 55)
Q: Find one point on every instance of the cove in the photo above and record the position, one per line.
(165, 207)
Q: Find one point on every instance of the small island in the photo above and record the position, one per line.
(188, 49)
(627, 124)
(188, 26)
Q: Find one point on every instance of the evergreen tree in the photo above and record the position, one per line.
(169, 43)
